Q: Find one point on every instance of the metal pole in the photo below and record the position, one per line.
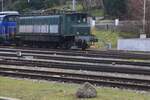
(74, 5)
(144, 17)
(2, 5)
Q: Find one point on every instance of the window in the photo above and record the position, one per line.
(1, 18)
(11, 18)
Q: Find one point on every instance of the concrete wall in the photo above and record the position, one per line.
(134, 44)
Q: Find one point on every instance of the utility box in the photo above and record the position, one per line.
(116, 22)
(142, 36)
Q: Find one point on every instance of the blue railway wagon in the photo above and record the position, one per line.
(8, 26)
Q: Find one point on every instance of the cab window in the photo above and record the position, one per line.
(77, 18)
(10, 19)
(1, 18)
(81, 18)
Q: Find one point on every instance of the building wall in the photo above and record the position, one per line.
(134, 44)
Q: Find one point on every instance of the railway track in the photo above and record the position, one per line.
(88, 53)
(77, 61)
(76, 65)
(78, 58)
(76, 77)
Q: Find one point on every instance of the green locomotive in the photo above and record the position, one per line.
(64, 30)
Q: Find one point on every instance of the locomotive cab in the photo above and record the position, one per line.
(78, 25)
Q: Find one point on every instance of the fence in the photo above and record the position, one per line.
(124, 26)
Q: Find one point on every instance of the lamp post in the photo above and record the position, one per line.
(74, 5)
(144, 17)
(2, 5)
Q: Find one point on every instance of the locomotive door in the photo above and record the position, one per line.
(11, 27)
(11, 32)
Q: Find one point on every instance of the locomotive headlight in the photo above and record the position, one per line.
(84, 19)
(78, 33)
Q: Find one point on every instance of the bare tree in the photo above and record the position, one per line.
(135, 9)
(136, 12)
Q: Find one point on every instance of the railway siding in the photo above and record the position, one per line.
(59, 66)
(66, 77)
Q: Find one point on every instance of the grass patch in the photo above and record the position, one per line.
(129, 35)
(33, 90)
(68, 7)
(97, 12)
(105, 38)
(110, 37)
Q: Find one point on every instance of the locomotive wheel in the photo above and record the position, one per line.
(55, 46)
(66, 45)
(84, 45)
(19, 43)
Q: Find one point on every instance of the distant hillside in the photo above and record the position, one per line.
(112, 8)
(28, 5)
(93, 6)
